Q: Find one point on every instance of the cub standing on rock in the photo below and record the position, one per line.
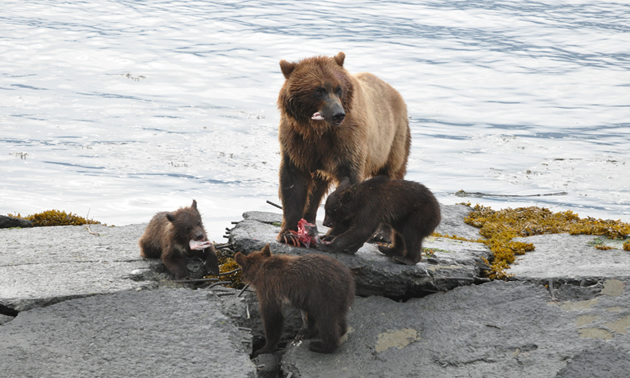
(174, 236)
(334, 124)
(354, 213)
(320, 286)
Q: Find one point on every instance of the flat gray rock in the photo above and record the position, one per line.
(454, 263)
(44, 265)
(498, 329)
(5, 319)
(8, 222)
(570, 257)
(156, 333)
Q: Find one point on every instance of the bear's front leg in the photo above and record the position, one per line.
(293, 193)
(272, 323)
(175, 263)
(319, 187)
(338, 229)
(350, 241)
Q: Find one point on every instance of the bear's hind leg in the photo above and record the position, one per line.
(397, 248)
(413, 232)
(343, 326)
(149, 247)
(309, 329)
(329, 333)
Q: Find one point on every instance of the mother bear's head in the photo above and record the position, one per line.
(317, 90)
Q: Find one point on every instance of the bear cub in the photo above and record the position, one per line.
(176, 235)
(321, 287)
(354, 213)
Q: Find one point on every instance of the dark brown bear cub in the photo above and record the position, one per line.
(320, 286)
(354, 213)
(170, 236)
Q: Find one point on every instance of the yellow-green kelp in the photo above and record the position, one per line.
(499, 228)
(55, 218)
(228, 264)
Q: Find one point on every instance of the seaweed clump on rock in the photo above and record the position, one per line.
(229, 271)
(501, 226)
(55, 218)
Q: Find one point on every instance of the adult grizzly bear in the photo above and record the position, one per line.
(354, 212)
(321, 287)
(176, 235)
(334, 125)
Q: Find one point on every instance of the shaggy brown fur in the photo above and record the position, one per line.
(354, 213)
(168, 236)
(360, 130)
(320, 286)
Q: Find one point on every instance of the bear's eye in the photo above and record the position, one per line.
(319, 92)
(339, 91)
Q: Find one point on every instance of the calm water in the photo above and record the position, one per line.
(126, 108)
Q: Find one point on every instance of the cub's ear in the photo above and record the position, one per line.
(340, 58)
(266, 251)
(194, 204)
(286, 68)
(240, 259)
(344, 184)
(170, 217)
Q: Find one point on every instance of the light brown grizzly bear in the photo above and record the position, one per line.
(354, 212)
(176, 235)
(321, 287)
(334, 124)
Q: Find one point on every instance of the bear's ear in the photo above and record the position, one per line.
(240, 259)
(340, 58)
(266, 251)
(344, 184)
(286, 68)
(194, 204)
(170, 217)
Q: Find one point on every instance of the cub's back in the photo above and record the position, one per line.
(319, 274)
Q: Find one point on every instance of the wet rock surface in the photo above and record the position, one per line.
(45, 265)
(567, 256)
(148, 333)
(498, 329)
(544, 323)
(89, 305)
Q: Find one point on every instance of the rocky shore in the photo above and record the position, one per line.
(75, 304)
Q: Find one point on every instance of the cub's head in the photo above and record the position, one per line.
(187, 223)
(251, 263)
(316, 89)
(340, 204)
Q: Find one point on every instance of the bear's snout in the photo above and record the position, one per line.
(327, 222)
(338, 117)
(198, 236)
